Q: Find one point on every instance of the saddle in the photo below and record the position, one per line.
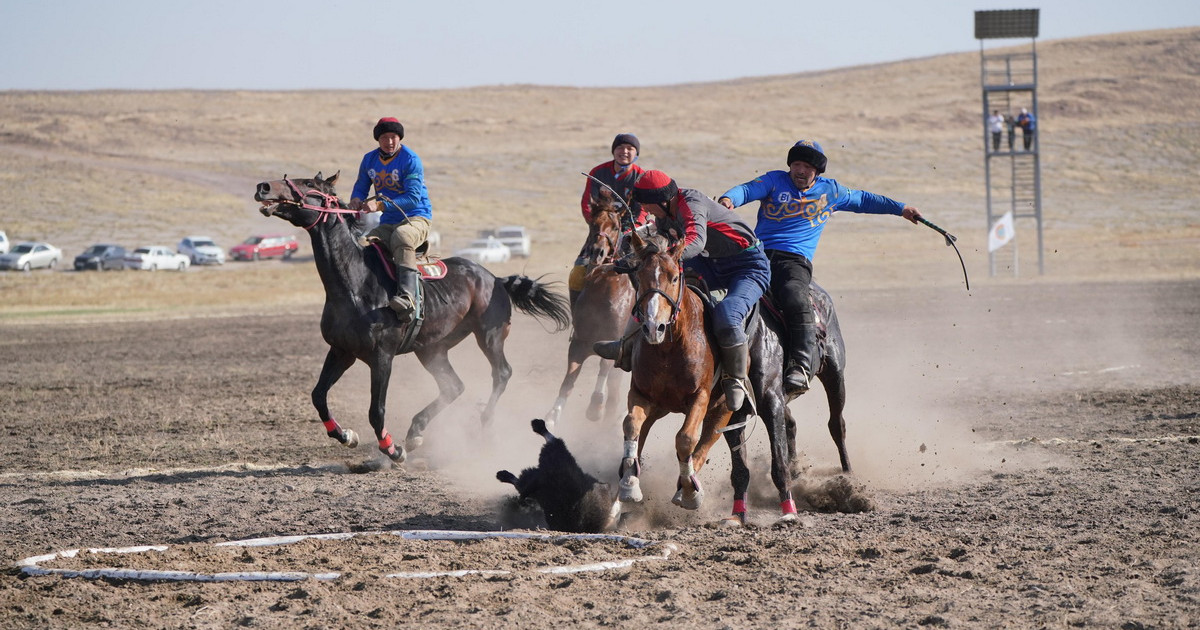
(431, 268)
(766, 307)
(379, 261)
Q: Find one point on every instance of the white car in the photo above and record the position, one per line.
(485, 250)
(156, 257)
(26, 256)
(201, 250)
(4, 244)
(516, 238)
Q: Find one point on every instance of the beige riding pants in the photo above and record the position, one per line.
(403, 239)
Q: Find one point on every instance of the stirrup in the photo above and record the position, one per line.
(404, 307)
(796, 381)
(616, 352)
(610, 350)
(735, 392)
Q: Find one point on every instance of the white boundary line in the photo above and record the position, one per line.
(30, 565)
(1166, 439)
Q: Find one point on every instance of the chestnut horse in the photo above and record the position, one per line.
(599, 313)
(674, 370)
(358, 324)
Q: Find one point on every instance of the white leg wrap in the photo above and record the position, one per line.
(686, 469)
(630, 449)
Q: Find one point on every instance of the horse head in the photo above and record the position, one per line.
(604, 232)
(301, 202)
(660, 284)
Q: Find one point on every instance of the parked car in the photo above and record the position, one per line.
(101, 256)
(265, 246)
(485, 250)
(4, 244)
(29, 255)
(156, 257)
(201, 250)
(516, 238)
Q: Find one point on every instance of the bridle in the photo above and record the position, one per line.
(330, 206)
(612, 247)
(639, 301)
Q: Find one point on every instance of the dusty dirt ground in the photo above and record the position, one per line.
(1030, 448)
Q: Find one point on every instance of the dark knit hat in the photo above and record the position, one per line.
(389, 125)
(626, 138)
(654, 187)
(808, 151)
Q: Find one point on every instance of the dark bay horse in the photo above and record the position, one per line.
(599, 313)
(675, 371)
(358, 324)
(830, 359)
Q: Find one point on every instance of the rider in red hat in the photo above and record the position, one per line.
(722, 249)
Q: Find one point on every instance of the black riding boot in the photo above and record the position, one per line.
(735, 361)
(404, 303)
(802, 342)
(574, 295)
(618, 350)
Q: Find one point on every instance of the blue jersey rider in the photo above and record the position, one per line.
(794, 206)
(396, 173)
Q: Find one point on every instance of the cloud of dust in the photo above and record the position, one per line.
(919, 412)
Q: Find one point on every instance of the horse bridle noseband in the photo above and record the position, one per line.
(674, 302)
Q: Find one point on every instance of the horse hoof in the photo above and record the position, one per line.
(629, 490)
(351, 438)
(731, 522)
(788, 518)
(414, 443)
(692, 502)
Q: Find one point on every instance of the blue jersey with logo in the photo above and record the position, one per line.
(400, 178)
(792, 220)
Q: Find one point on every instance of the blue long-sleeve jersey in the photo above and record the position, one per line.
(792, 220)
(401, 179)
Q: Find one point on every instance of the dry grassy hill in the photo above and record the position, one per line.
(1120, 148)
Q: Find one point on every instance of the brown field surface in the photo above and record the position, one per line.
(1030, 446)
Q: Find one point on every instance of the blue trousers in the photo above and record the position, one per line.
(746, 276)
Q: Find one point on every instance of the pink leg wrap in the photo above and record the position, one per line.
(385, 442)
(331, 426)
(739, 506)
(788, 507)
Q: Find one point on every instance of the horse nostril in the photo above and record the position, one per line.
(262, 190)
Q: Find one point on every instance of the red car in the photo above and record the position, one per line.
(265, 246)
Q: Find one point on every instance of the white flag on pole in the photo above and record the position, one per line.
(1002, 232)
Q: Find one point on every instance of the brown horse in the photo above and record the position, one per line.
(599, 313)
(674, 370)
(358, 325)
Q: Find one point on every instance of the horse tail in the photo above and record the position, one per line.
(534, 297)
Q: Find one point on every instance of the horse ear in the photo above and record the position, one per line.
(677, 247)
(333, 178)
(635, 240)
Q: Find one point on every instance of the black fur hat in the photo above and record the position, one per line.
(388, 125)
(808, 151)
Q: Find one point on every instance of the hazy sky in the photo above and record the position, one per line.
(356, 44)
